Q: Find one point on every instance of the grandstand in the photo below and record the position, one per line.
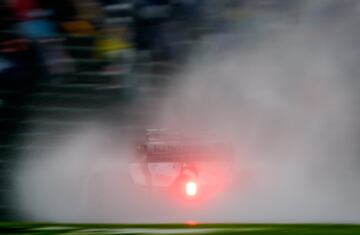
(38, 107)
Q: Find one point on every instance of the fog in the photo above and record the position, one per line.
(284, 93)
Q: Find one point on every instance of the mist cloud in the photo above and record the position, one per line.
(287, 98)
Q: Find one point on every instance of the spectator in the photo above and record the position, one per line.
(18, 60)
(62, 10)
(36, 24)
(150, 34)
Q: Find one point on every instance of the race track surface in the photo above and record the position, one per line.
(163, 229)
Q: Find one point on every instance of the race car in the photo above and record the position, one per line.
(189, 167)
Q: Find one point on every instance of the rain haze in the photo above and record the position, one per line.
(281, 87)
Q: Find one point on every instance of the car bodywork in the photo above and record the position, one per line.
(171, 160)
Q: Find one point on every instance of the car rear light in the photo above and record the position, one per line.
(191, 188)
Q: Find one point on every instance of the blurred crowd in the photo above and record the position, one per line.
(43, 40)
(35, 34)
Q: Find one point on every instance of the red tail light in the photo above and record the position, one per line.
(191, 188)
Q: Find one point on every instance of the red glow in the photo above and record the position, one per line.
(191, 188)
(191, 223)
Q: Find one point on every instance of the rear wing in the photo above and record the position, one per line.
(189, 158)
(179, 152)
(160, 134)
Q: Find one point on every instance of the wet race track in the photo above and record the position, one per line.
(193, 228)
